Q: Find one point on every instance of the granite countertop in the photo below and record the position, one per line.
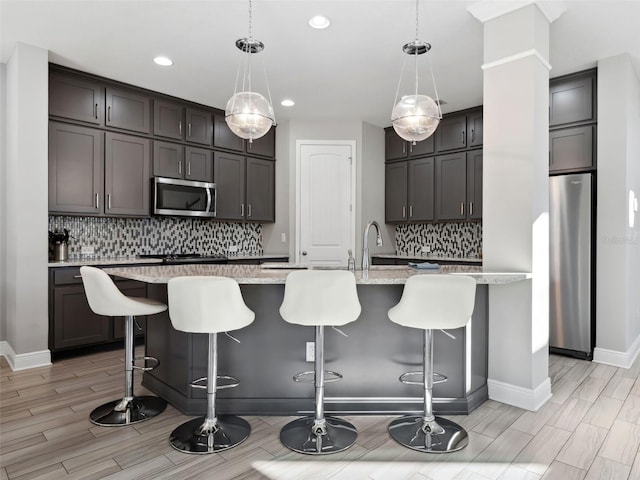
(427, 258)
(257, 274)
(97, 261)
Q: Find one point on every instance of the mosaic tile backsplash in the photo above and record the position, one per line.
(112, 237)
(462, 240)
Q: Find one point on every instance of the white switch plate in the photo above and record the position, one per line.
(283, 237)
(311, 352)
(87, 250)
(233, 248)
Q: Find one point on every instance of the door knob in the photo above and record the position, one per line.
(304, 252)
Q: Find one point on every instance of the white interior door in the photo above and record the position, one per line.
(326, 193)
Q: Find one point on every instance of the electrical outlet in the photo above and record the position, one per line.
(87, 250)
(311, 352)
(283, 237)
(426, 249)
(233, 248)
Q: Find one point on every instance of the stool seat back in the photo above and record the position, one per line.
(320, 298)
(105, 298)
(435, 302)
(206, 304)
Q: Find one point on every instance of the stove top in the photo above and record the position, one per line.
(186, 257)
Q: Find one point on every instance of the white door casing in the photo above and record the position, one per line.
(325, 198)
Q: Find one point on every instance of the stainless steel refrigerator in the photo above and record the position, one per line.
(572, 265)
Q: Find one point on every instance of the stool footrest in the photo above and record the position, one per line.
(202, 382)
(406, 378)
(309, 377)
(154, 360)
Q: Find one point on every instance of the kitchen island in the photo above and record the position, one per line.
(372, 357)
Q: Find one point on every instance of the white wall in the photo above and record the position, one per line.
(26, 220)
(3, 211)
(618, 245)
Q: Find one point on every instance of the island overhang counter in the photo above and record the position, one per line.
(371, 358)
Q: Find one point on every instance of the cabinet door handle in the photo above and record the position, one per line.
(97, 201)
(473, 135)
(404, 212)
(109, 201)
(96, 111)
(180, 127)
(404, 147)
(242, 209)
(179, 167)
(462, 137)
(77, 276)
(410, 211)
(189, 168)
(109, 113)
(470, 208)
(189, 134)
(461, 208)
(249, 210)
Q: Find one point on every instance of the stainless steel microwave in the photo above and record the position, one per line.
(183, 198)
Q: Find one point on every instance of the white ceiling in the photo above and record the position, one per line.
(348, 71)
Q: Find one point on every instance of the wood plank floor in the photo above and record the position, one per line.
(590, 430)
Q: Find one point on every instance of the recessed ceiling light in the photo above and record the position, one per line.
(287, 102)
(164, 61)
(319, 22)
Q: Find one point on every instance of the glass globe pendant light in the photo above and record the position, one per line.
(249, 114)
(415, 117)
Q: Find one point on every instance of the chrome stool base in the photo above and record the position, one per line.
(408, 431)
(299, 436)
(137, 410)
(191, 437)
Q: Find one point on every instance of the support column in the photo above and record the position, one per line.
(25, 222)
(516, 198)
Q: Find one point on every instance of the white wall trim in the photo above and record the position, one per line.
(616, 358)
(515, 57)
(24, 361)
(529, 399)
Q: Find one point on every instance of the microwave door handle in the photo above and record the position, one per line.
(208, 199)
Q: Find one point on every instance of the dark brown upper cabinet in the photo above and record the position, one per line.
(76, 169)
(451, 134)
(168, 160)
(127, 170)
(260, 190)
(128, 110)
(76, 98)
(397, 148)
(409, 190)
(474, 185)
(223, 137)
(571, 99)
(451, 186)
(199, 126)
(168, 119)
(571, 149)
(264, 146)
(474, 129)
(198, 164)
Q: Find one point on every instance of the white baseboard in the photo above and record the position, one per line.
(527, 398)
(24, 361)
(616, 358)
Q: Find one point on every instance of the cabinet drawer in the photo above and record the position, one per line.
(66, 276)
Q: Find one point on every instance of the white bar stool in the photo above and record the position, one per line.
(319, 298)
(209, 305)
(432, 302)
(105, 298)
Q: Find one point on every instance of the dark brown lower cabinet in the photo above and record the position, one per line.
(72, 323)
